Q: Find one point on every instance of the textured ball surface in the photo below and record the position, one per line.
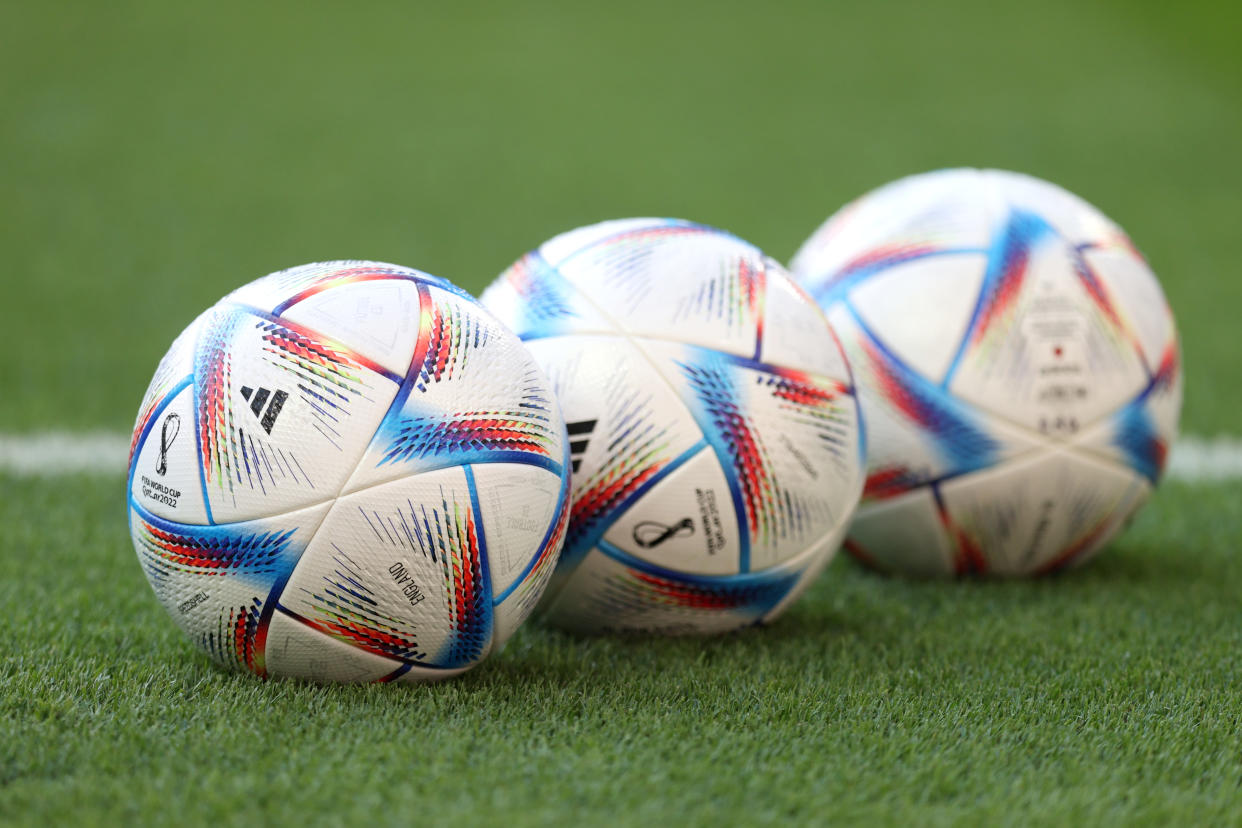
(348, 471)
(712, 424)
(1017, 365)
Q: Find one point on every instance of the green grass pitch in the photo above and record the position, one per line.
(156, 155)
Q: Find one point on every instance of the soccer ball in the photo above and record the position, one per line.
(1017, 366)
(348, 471)
(713, 429)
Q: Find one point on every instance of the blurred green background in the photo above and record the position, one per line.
(156, 155)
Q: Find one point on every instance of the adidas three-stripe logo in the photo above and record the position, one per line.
(579, 436)
(267, 418)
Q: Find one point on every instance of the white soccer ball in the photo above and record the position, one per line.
(712, 425)
(348, 471)
(1017, 365)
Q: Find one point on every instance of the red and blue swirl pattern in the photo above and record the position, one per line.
(717, 387)
(545, 304)
(1006, 270)
(463, 558)
(239, 638)
(949, 426)
(167, 549)
(181, 559)
(1136, 435)
(421, 428)
(640, 589)
(345, 608)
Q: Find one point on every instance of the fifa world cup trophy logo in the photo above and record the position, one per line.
(649, 534)
(168, 433)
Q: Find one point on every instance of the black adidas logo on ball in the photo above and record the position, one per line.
(579, 436)
(267, 418)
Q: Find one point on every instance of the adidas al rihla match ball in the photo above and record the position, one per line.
(1017, 365)
(348, 471)
(712, 424)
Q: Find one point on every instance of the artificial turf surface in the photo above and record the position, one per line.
(157, 155)
(1108, 694)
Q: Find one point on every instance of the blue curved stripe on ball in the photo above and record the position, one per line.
(961, 443)
(1138, 441)
(169, 396)
(758, 592)
(578, 545)
(562, 495)
(401, 273)
(546, 307)
(443, 458)
(465, 645)
(839, 284)
(713, 401)
(242, 550)
(1007, 258)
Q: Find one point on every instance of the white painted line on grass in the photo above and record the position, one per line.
(1200, 460)
(49, 453)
